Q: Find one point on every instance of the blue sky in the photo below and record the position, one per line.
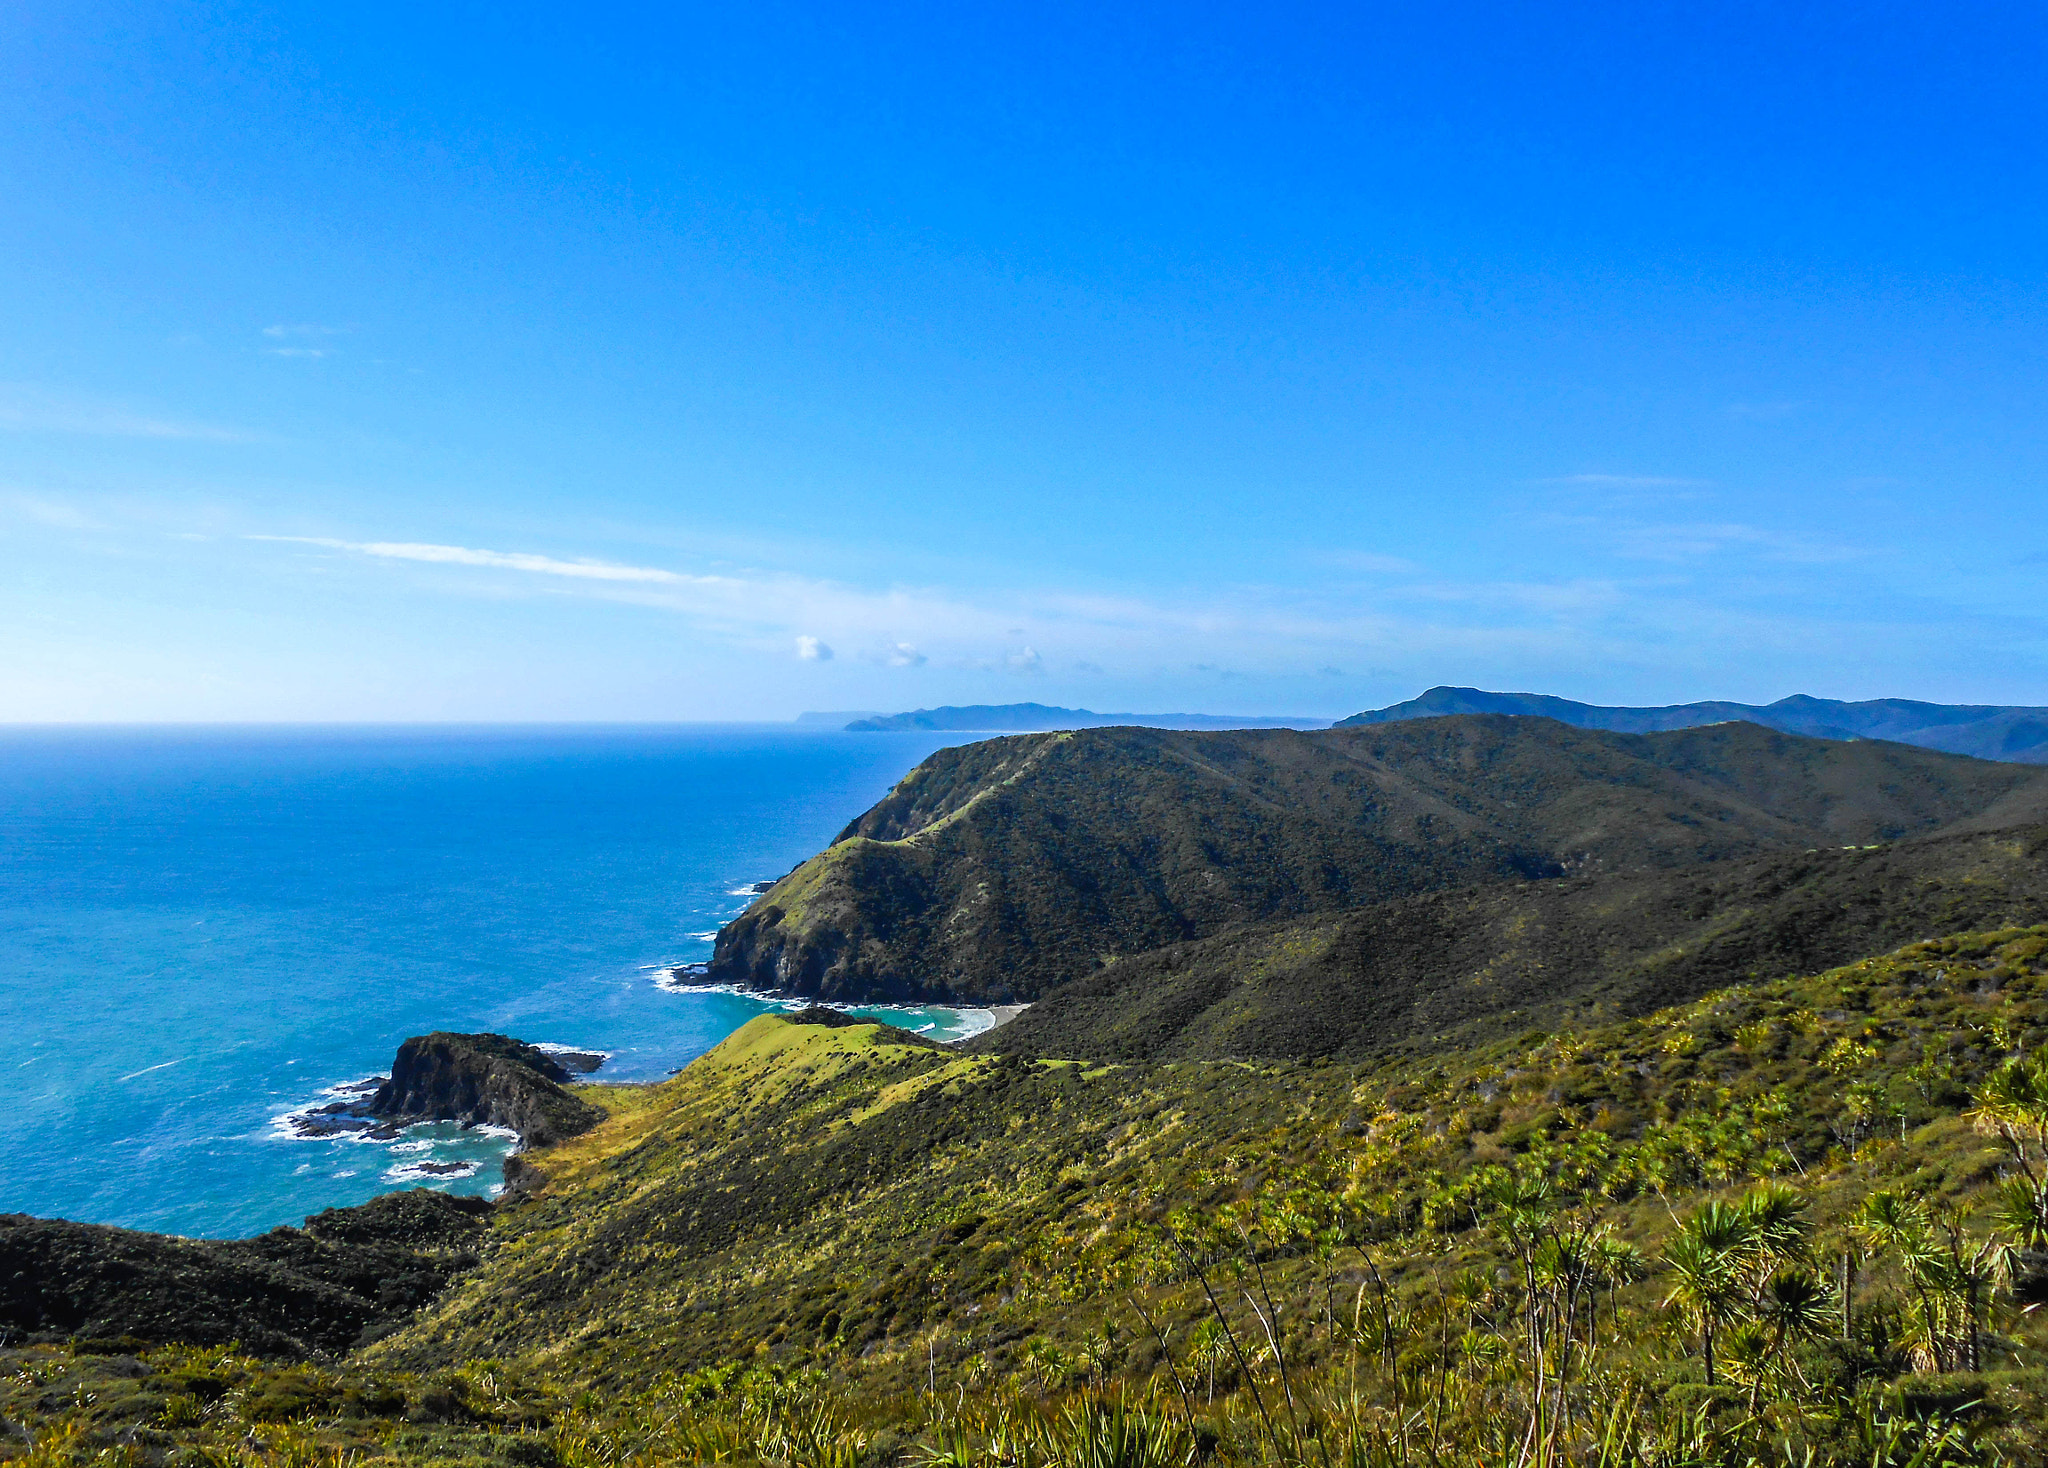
(468, 362)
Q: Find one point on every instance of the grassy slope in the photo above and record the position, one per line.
(849, 1200)
(996, 870)
(841, 1195)
(1469, 965)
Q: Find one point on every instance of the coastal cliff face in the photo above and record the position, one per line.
(482, 1080)
(996, 871)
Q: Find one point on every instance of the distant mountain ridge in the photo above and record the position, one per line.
(1039, 718)
(2013, 733)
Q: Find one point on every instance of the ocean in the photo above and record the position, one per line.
(203, 930)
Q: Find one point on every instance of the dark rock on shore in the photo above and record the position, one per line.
(483, 1080)
(346, 1277)
(583, 1062)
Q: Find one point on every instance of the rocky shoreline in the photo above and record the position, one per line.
(481, 1080)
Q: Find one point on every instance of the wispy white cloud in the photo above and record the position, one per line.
(309, 352)
(1283, 629)
(25, 409)
(462, 555)
(283, 330)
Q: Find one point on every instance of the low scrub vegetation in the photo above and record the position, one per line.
(1801, 1223)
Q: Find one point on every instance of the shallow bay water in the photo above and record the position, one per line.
(204, 929)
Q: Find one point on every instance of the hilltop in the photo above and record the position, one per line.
(1986, 731)
(996, 871)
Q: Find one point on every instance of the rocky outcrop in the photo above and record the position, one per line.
(482, 1080)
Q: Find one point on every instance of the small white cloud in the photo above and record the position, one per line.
(904, 655)
(813, 651)
(1026, 661)
(294, 351)
(283, 330)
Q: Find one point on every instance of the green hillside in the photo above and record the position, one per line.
(1471, 964)
(838, 1193)
(995, 871)
(833, 1243)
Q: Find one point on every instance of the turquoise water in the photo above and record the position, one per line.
(201, 931)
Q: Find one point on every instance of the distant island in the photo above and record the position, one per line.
(1037, 718)
(836, 718)
(2017, 734)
